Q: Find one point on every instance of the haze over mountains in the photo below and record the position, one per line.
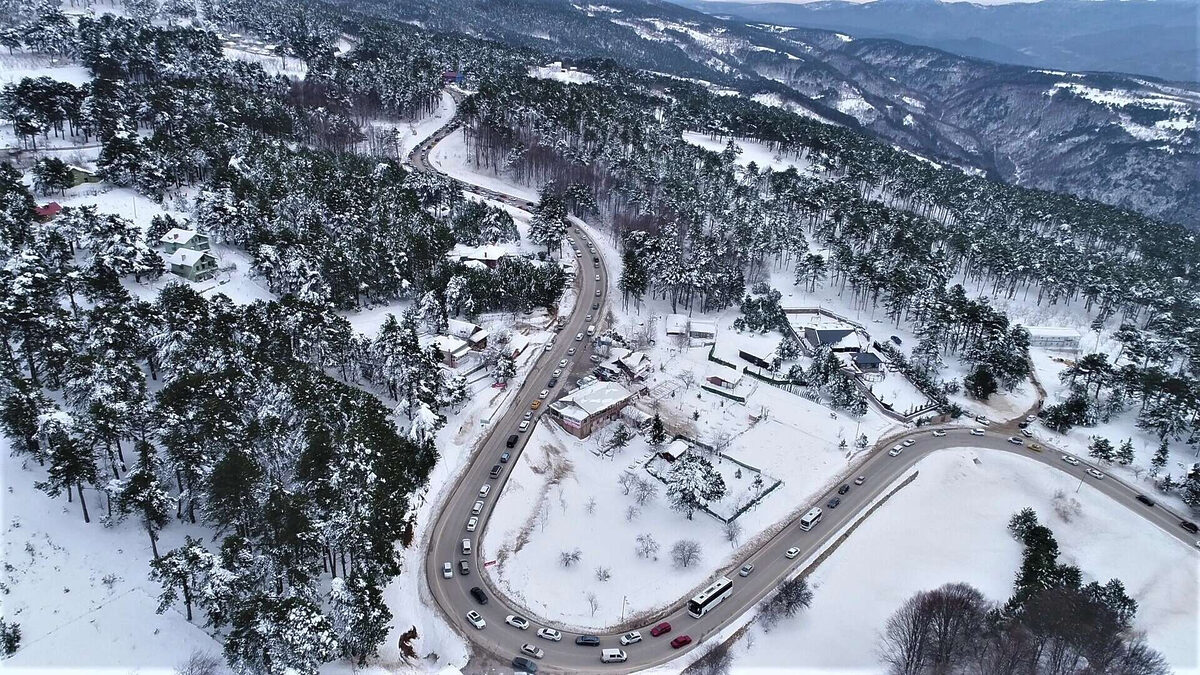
(1157, 38)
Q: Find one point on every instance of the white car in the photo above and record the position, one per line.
(549, 346)
(908, 443)
(746, 570)
(524, 426)
(578, 337)
(550, 634)
(597, 292)
(556, 373)
(476, 620)
(543, 393)
(484, 490)
(630, 638)
(528, 414)
(588, 317)
(1015, 440)
(977, 432)
(562, 364)
(578, 254)
(1027, 433)
(1031, 418)
(896, 450)
(938, 433)
(594, 359)
(475, 510)
(571, 351)
(472, 523)
(535, 652)
(983, 420)
(517, 621)
(791, 553)
(447, 570)
(1095, 474)
(597, 277)
(1070, 460)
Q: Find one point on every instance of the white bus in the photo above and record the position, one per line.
(811, 518)
(710, 597)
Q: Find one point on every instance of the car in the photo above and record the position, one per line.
(562, 364)
(543, 393)
(504, 457)
(1031, 418)
(496, 468)
(660, 629)
(479, 595)
(746, 570)
(1023, 425)
(587, 318)
(535, 652)
(553, 381)
(464, 567)
(517, 621)
(977, 432)
(1070, 460)
(579, 337)
(594, 359)
(791, 553)
(484, 490)
(549, 346)
(549, 634)
(528, 415)
(844, 489)
(833, 503)
(571, 351)
(597, 292)
(472, 523)
(681, 641)
(571, 240)
(1015, 440)
(537, 403)
(1027, 433)
(908, 443)
(597, 277)
(476, 620)
(983, 420)
(447, 570)
(1145, 500)
(587, 641)
(1095, 474)
(938, 433)
(578, 254)
(896, 450)
(1036, 447)
(860, 480)
(632, 637)
(613, 656)
(554, 375)
(521, 664)
(1189, 526)
(595, 305)
(512, 440)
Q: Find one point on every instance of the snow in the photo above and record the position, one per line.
(555, 71)
(273, 64)
(19, 65)
(450, 156)
(751, 151)
(411, 133)
(971, 502)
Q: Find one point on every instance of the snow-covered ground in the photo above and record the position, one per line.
(751, 151)
(408, 134)
(951, 525)
(556, 71)
(450, 157)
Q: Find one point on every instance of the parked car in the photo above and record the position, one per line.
(1095, 474)
(523, 665)
(833, 503)
(595, 305)
(535, 652)
(543, 393)
(587, 641)
(1070, 460)
(983, 420)
(977, 432)
(632, 637)
(447, 570)
(844, 489)
(860, 480)
(578, 337)
(479, 595)
(1027, 433)
(549, 634)
(528, 415)
(791, 553)
(661, 629)
(1023, 425)
(517, 621)
(681, 641)
(472, 523)
(562, 364)
(554, 376)
(484, 490)
(746, 570)
(597, 292)
(476, 619)
(549, 346)
(597, 277)
(1031, 418)
(896, 450)
(524, 425)
(553, 381)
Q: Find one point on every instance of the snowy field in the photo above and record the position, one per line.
(556, 71)
(951, 525)
(751, 151)
(450, 157)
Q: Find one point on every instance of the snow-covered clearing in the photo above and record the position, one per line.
(273, 64)
(951, 525)
(450, 157)
(751, 151)
(21, 64)
(556, 71)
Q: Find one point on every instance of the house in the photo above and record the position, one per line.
(759, 355)
(489, 255)
(636, 419)
(842, 340)
(590, 407)
(516, 345)
(723, 376)
(674, 450)
(453, 349)
(702, 331)
(867, 362)
(677, 324)
(47, 211)
(454, 76)
(475, 336)
(177, 238)
(193, 265)
(1054, 337)
(635, 364)
(80, 175)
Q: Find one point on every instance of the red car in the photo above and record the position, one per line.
(661, 629)
(681, 641)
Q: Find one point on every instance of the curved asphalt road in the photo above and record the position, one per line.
(881, 470)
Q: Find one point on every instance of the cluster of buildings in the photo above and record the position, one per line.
(461, 338)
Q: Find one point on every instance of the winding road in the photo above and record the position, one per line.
(880, 470)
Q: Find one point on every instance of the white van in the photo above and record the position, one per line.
(810, 519)
(466, 549)
(591, 330)
(613, 656)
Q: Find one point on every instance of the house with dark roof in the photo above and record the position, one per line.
(47, 212)
(867, 362)
(837, 339)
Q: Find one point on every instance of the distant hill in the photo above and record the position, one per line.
(1157, 38)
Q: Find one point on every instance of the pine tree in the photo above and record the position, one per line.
(620, 438)
(658, 433)
(692, 482)
(144, 493)
(71, 462)
(1159, 461)
(1101, 450)
(1124, 453)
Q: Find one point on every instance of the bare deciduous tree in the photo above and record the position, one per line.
(568, 558)
(685, 552)
(602, 574)
(647, 547)
(644, 491)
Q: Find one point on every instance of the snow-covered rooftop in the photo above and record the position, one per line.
(186, 257)
(591, 399)
(1052, 331)
(178, 236)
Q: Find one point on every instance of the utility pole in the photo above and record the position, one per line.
(623, 598)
